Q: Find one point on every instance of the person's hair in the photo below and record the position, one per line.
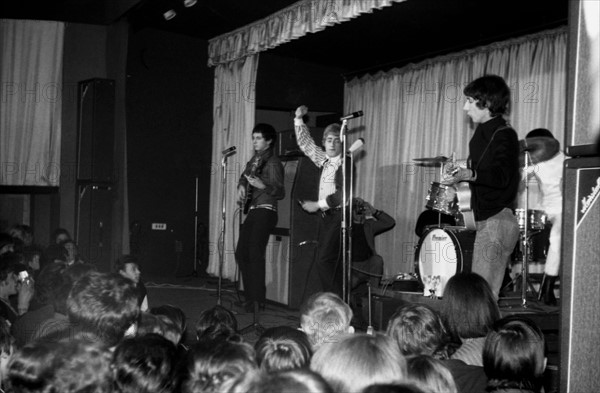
(21, 232)
(333, 128)
(52, 287)
(283, 348)
(268, 132)
(419, 330)
(60, 231)
(217, 323)
(150, 323)
(7, 341)
(430, 374)
(491, 92)
(513, 354)
(175, 321)
(124, 260)
(469, 306)
(6, 265)
(297, 381)
(31, 368)
(540, 132)
(323, 317)
(215, 367)
(359, 360)
(403, 387)
(104, 304)
(78, 270)
(144, 364)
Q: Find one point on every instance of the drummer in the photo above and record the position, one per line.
(547, 168)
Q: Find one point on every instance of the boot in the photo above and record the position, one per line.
(547, 290)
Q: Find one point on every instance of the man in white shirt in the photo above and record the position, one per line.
(328, 205)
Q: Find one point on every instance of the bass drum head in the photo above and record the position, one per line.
(438, 257)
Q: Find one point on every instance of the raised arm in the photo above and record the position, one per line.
(305, 140)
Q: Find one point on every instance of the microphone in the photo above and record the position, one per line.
(352, 115)
(228, 150)
(356, 145)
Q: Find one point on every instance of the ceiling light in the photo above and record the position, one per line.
(170, 14)
(189, 3)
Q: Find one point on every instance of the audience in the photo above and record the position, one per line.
(7, 243)
(283, 348)
(292, 381)
(430, 375)
(128, 267)
(359, 360)
(175, 321)
(324, 317)
(469, 309)
(513, 356)
(11, 284)
(217, 324)
(56, 252)
(7, 348)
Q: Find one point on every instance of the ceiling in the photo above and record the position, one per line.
(405, 32)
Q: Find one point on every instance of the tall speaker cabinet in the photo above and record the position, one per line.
(95, 170)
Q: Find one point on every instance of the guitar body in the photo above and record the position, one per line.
(463, 195)
(249, 188)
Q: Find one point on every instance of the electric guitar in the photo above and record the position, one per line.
(248, 197)
(463, 195)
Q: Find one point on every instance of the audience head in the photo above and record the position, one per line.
(215, 367)
(215, 324)
(60, 235)
(540, 132)
(8, 278)
(53, 286)
(32, 258)
(283, 348)
(23, 234)
(419, 330)
(31, 368)
(7, 243)
(430, 374)
(128, 267)
(7, 347)
(358, 361)
(325, 316)
(513, 355)
(403, 387)
(150, 323)
(104, 304)
(144, 364)
(175, 321)
(469, 306)
(491, 92)
(296, 381)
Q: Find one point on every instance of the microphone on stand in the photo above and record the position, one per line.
(352, 115)
(356, 145)
(229, 150)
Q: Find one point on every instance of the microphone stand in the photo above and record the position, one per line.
(345, 268)
(223, 221)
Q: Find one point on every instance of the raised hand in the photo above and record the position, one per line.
(301, 111)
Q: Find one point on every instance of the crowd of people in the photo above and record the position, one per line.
(86, 331)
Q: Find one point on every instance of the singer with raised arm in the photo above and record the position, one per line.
(259, 188)
(493, 177)
(329, 203)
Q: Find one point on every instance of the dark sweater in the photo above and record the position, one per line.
(497, 168)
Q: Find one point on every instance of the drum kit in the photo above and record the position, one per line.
(445, 250)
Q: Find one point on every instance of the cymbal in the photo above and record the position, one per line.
(432, 160)
(540, 149)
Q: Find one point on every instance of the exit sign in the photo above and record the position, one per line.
(159, 226)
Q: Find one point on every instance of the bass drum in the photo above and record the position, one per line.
(440, 254)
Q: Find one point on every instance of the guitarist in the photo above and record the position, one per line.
(261, 184)
(493, 176)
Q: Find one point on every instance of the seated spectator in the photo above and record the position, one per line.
(7, 348)
(175, 319)
(283, 348)
(72, 252)
(513, 356)
(51, 290)
(145, 364)
(293, 381)
(469, 309)
(215, 368)
(68, 367)
(217, 324)
(324, 317)
(419, 330)
(128, 267)
(430, 374)
(359, 360)
(104, 305)
(11, 285)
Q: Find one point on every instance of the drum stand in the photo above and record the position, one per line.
(524, 238)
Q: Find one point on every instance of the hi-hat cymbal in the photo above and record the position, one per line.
(432, 160)
(540, 149)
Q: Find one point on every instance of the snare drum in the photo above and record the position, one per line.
(536, 219)
(442, 198)
(440, 254)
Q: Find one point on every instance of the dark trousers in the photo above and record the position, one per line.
(250, 251)
(329, 259)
